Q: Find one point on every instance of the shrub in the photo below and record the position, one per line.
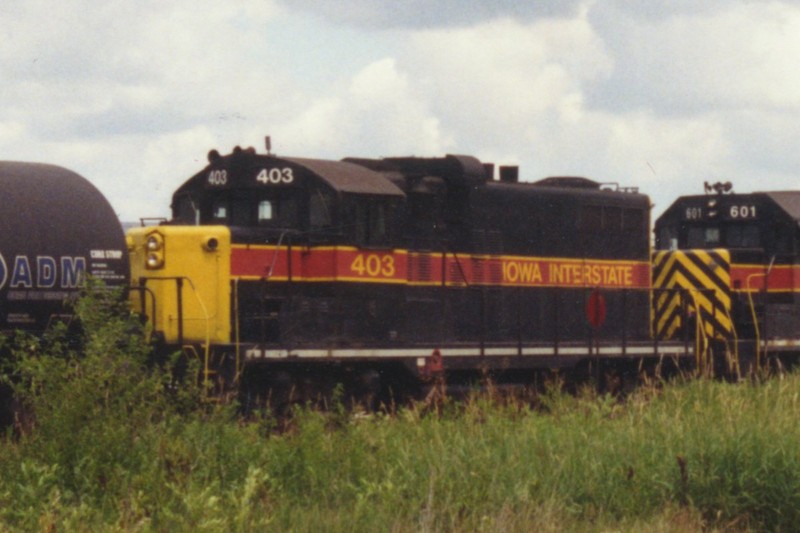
(86, 393)
(113, 444)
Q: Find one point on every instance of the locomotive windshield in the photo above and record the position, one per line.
(321, 204)
(706, 236)
(703, 237)
(278, 209)
(185, 211)
(274, 208)
(743, 236)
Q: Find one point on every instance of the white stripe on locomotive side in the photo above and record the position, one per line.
(395, 353)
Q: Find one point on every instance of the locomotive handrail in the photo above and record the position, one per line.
(482, 311)
(207, 347)
(701, 355)
(446, 251)
(179, 287)
(157, 221)
(236, 327)
(683, 294)
(701, 316)
(206, 369)
(765, 275)
(143, 290)
(275, 257)
(735, 344)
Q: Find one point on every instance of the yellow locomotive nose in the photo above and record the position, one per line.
(186, 296)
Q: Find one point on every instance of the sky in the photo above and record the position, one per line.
(658, 95)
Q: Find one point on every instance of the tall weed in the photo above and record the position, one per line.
(114, 443)
(87, 397)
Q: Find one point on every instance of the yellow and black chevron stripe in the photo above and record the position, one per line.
(693, 281)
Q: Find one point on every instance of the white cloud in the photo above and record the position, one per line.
(126, 67)
(662, 96)
(96, 87)
(511, 92)
(379, 112)
(516, 69)
(743, 55)
(522, 93)
(729, 74)
(416, 14)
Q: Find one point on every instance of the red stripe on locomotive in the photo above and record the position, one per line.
(781, 278)
(374, 266)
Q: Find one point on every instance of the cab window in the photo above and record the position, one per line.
(743, 237)
(703, 237)
(265, 211)
(668, 238)
(277, 210)
(281, 209)
(219, 210)
(186, 211)
(288, 212)
(320, 209)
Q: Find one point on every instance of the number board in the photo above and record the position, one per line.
(737, 211)
(217, 177)
(261, 176)
(693, 213)
(274, 176)
(741, 211)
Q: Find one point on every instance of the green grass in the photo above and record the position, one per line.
(113, 446)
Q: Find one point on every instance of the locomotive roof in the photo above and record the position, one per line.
(789, 201)
(557, 189)
(342, 176)
(349, 177)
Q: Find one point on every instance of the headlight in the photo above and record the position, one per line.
(154, 243)
(154, 260)
(154, 246)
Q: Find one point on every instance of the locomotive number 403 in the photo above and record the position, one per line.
(373, 265)
(274, 176)
(218, 177)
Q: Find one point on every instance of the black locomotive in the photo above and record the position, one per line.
(739, 255)
(381, 273)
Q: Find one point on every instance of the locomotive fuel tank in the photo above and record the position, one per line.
(57, 231)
